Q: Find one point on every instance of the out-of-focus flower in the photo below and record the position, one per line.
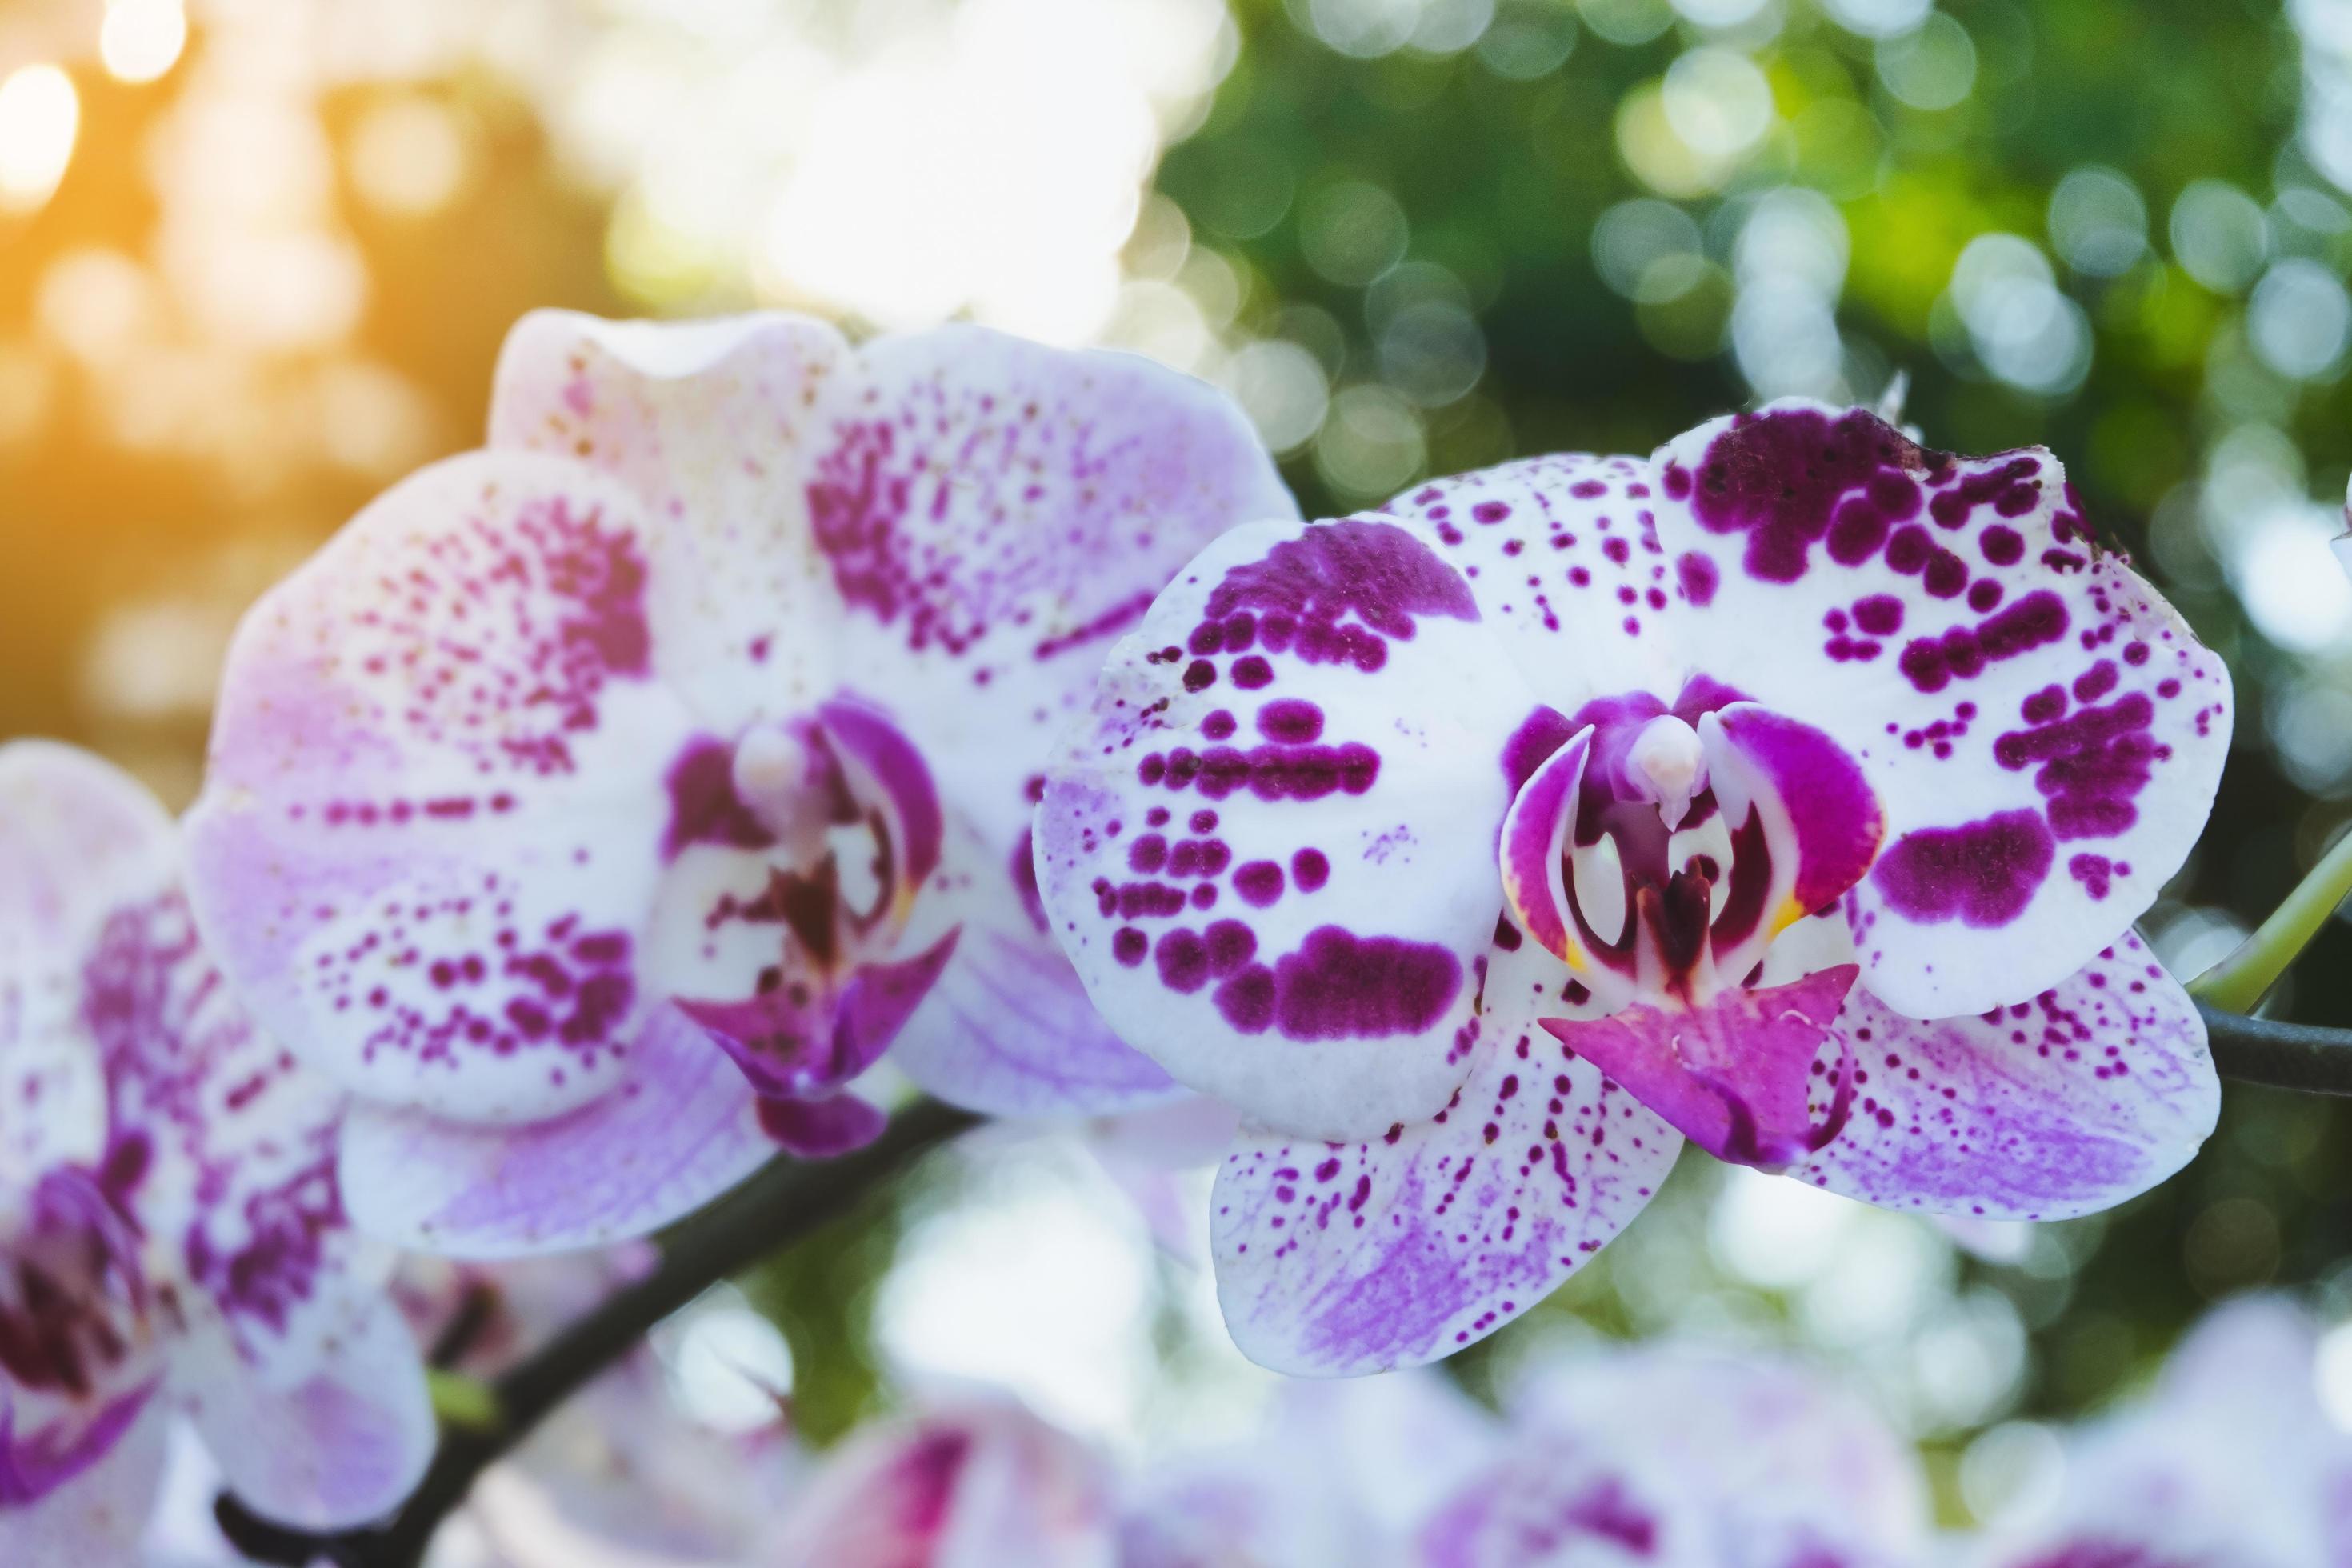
(2230, 1461)
(1336, 1472)
(623, 1473)
(171, 1235)
(598, 805)
(973, 1482)
(1687, 1459)
(1828, 773)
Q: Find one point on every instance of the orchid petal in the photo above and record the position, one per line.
(2044, 732)
(710, 424)
(429, 844)
(95, 1517)
(1564, 556)
(1335, 1260)
(995, 513)
(1270, 852)
(328, 1429)
(2089, 1093)
(679, 1131)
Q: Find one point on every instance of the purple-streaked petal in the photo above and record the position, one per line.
(710, 424)
(1340, 1258)
(92, 1516)
(2066, 1103)
(1564, 554)
(1734, 1076)
(328, 1427)
(679, 1131)
(433, 830)
(1270, 851)
(2044, 732)
(884, 771)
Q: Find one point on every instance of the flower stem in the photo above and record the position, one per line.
(2240, 981)
(785, 1200)
(2306, 1057)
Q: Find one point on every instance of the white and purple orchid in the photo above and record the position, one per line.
(1791, 792)
(973, 1481)
(171, 1235)
(1682, 1458)
(598, 805)
(2230, 1462)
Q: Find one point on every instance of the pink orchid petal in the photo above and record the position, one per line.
(1822, 824)
(1270, 853)
(432, 834)
(1733, 1076)
(683, 1129)
(2089, 1093)
(2044, 732)
(1340, 1258)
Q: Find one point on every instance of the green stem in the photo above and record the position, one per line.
(2241, 981)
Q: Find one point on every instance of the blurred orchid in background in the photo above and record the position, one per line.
(171, 1235)
(1828, 773)
(2229, 1460)
(600, 803)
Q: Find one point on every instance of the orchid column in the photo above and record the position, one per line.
(597, 806)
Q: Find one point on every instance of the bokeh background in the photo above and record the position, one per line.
(256, 256)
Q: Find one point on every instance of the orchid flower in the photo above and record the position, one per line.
(972, 1483)
(1791, 792)
(171, 1235)
(598, 805)
(2230, 1462)
(1683, 1458)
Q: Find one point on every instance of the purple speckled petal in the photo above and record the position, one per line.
(328, 1429)
(2044, 732)
(2064, 1104)
(432, 833)
(1564, 554)
(1340, 1258)
(1270, 850)
(1734, 1076)
(682, 1129)
(710, 424)
(95, 1518)
(997, 514)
